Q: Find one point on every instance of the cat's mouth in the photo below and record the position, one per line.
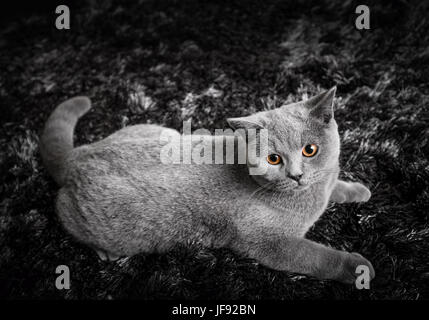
(301, 187)
(293, 185)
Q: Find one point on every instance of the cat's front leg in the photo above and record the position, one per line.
(303, 256)
(350, 192)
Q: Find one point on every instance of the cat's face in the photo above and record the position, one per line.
(303, 143)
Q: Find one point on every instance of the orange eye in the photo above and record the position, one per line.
(274, 159)
(309, 150)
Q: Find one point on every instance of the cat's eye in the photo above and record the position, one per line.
(310, 150)
(274, 159)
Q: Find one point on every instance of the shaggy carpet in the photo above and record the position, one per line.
(168, 61)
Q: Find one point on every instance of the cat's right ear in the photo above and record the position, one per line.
(322, 106)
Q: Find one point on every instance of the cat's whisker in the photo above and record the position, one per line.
(328, 171)
(261, 188)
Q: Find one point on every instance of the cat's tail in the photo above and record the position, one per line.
(57, 138)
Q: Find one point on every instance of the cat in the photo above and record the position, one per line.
(118, 197)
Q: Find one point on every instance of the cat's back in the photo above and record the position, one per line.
(120, 185)
(141, 153)
(127, 167)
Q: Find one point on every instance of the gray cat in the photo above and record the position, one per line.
(118, 197)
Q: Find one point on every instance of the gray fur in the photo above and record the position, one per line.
(117, 196)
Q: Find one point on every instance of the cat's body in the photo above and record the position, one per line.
(119, 198)
(178, 199)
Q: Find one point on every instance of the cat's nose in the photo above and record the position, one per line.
(295, 177)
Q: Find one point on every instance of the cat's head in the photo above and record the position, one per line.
(303, 143)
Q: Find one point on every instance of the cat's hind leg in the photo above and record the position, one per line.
(106, 256)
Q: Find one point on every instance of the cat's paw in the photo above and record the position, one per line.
(358, 193)
(106, 256)
(350, 265)
(351, 192)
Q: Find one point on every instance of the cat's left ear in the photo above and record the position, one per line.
(322, 106)
(254, 121)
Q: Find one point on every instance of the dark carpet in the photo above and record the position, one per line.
(168, 61)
